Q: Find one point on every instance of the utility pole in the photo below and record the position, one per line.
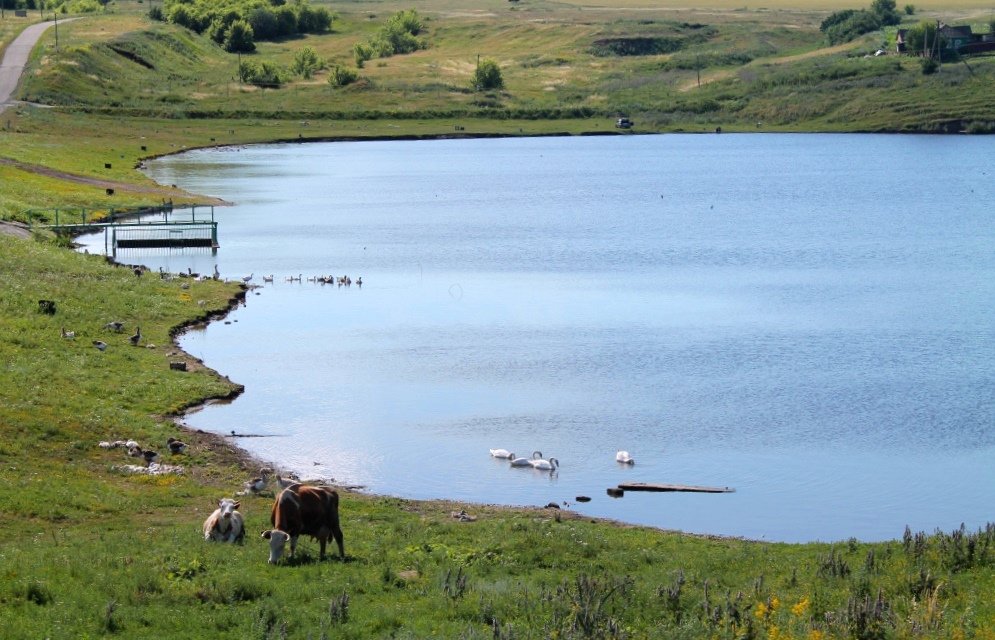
(55, 14)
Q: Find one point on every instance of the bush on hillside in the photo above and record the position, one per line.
(306, 63)
(398, 35)
(261, 74)
(848, 24)
(340, 76)
(487, 76)
(269, 20)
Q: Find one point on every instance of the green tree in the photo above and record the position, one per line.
(910, 9)
(306, 62)
(885, 11)
(922, 39)
(487, 76)
(239, 38)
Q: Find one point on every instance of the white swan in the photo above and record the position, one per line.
(526, 462)
(502, 453)
(624, 457)
(545, 465)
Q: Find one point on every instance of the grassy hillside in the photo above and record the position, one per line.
(120, 82)
(89, 550)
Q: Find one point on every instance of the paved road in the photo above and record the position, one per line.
(15, 58)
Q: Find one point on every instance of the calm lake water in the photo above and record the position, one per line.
(809, 319)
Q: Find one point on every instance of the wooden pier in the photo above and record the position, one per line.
(163, 227)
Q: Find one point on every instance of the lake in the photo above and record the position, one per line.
(808, 319)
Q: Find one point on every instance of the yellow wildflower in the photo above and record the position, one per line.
(761, 611)
(815, 634)
(801, 607)
(774, 604)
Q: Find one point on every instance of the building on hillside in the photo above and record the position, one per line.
(961, 40)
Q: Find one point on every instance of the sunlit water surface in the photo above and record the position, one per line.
(809, 319)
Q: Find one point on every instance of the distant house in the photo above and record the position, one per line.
(954, 39)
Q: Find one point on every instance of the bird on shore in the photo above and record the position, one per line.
(247, 279)
(175, 446)
(68, 335)
(623, 457)
(286, 482)
(137, 337)
(256, 485)
(150, 457)
(115, 325)
(502, 453)
(100, 344)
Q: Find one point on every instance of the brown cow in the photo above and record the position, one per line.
(301, 509)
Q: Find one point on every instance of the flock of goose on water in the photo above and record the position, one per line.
(552, 464)
(342, 281)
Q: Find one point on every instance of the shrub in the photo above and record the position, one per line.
(306, 62)
(155, 13)
(857, 24)
(910, 9)
(487, 76)
(341, 76)
(269, 20)
(398, 35)
(262, 74)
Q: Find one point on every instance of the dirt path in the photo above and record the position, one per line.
(723, 74)
(15, 57)
(106, 184)
(16, 229)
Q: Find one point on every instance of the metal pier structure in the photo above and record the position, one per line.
(165, 227)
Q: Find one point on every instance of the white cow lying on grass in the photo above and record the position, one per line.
(225, 524)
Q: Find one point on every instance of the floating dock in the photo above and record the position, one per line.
(651, 486)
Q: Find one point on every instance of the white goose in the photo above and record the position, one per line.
(502, 453)
(624, 457)
(526, 462)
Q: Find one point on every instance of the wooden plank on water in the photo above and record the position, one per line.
(653, 486)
